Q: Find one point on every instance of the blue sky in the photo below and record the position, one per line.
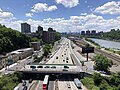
(62, 15)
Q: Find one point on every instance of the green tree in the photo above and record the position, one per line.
(57, 36)
(46, 49)
(102, 62)
(97, 78)
(12, 40)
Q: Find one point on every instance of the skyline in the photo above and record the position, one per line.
(61, 15)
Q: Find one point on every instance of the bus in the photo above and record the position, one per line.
(77, 83)
(45, 82)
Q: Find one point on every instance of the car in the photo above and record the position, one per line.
(40, 67)
(30, 80)
(53, 67)
(25, 88)
(62, 55)
(24, 83)
(66, 61)
(46, 67)
(68, 85)
(63, 60)
(66, 67)
(67, 58)
(32, 66)
(56, 57)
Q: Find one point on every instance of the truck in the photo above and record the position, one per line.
(77, 83)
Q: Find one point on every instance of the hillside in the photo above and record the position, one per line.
(12, 40)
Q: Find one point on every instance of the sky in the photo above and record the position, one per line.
(61, 15)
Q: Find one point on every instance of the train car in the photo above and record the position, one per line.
(77, 83)
(45, 82)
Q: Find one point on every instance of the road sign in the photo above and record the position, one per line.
(87, 49)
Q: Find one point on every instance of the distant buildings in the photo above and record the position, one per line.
(88, 32)
(46, 36)
(25, 28)
(82, 32)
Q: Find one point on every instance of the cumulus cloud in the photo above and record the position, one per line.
(0, 10)
(6, 15)
(52, 8)
(68, 3)
(29, 14)
(41, 7)
(109, 8)
(74, 23)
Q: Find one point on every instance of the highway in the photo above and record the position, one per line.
(63, 55)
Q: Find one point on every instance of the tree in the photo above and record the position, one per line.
(97, 78)
(115, 79)
(102, 63)
(46, 49)
(12, 40)
(104, 85)
(57, 36)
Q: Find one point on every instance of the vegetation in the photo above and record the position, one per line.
(102, 63)
(89, 83)
(46, 49)
(98, 82)
(12, 40)
(57, 36)
(112, 35)
(9, 82)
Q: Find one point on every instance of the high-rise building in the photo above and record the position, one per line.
(25, 28)
(40, 29)
(93, 32)
(82, 32)
(87, 32)
(49, 35)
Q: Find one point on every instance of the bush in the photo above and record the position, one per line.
(97, 78)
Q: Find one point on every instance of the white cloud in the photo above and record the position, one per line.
(109, 8)
(0, 10)
(52, 8)
(74, 23)
(29, 14)
(41, 7)
(83, 14)
(6, 15)
(68, 3)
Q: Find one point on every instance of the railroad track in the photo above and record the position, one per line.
(113, 57)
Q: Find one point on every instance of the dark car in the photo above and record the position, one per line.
(47, 67)
(25, 88)
(56, 57)
(66, 67)
(66, 61)
(40, 67)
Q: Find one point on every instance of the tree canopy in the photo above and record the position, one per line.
(102, 63)
(12, 40)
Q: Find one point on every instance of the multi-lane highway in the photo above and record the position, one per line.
(68, 63)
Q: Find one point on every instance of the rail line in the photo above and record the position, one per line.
(113, 57)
